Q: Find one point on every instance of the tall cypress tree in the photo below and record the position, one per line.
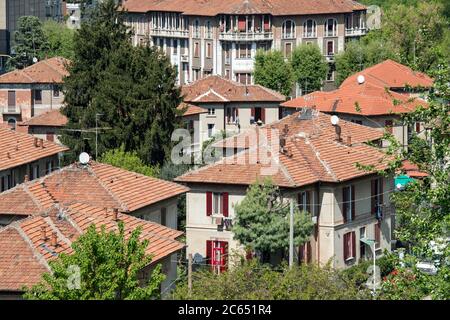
(131, 90)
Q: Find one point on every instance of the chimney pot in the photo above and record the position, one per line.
(8, 155)
(26, 178)
(41, 142)
(43, 233)
(337, 128)
(349, 140)
(115, 214)
(36, 142)
(54, 240)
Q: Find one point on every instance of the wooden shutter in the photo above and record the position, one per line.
(308, 252)
(263, 115)
(373, 199)
(344, 203)
(353, 244)
(346, 246)
(417, 127)
(209, 247)
(353, 203)
(377, 232)
(208, 203)
(224, 258)
(225, 204)
(11, 98)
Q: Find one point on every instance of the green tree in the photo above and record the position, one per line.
(29, 42)
(272, 71)
(128, 161)
(262, 221)
(309, 67)
(60, 39)
(109, 264)
(130, 90)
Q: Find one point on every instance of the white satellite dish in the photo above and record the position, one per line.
(35, 60)
(84, 158)
(334, 120)
(361, 79)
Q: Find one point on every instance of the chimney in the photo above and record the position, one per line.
(43, 233)
(42, 142)
(25, 179)
(54, 240)
(115, 214)
(349, 140)
(337, 128)
(36, 142)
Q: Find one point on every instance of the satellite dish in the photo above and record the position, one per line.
(361, 79)
(35, 60)
(334, 120)
(84, 158)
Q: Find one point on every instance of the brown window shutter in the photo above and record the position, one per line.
(344, 203)
(377, 233)
(353, 203)
(353, 244)
(225, 204)
(373, 199)
(346, 246)
(208, 203)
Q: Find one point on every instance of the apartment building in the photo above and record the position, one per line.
(222, 37)
(316, 166)
(215, 104)
(32, 91)
(12, 10)
(376, 97)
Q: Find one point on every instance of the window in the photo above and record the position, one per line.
(331, 28)
(310, 29)
(388, 124)
(196, 74)
(50, 136)
(304, 201)
(164, 216)
(349, 246)
(207, 73)
(377, 233)
(288, 29)
(56, 91)
(227, 74)
(330, 48)
(210, 130)
(376, 197)
(287, 49)
(208, 50)
(196, 50)
(217, 255)
(356, 121)
(362, 245)
(211, 111)
(305, 253)
(244, 78)
(12, 123)
(244, 51)
(232, 115)
(49, 167)
(11, 101)
(227, 51)
(34, 172)
(257, 114)
(208, 30)
(217, 203)
(241, 23)
(175, 46)
(348, 203)
(196, 29)
(37, 96)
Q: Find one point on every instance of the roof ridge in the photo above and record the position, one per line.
(322, 162)
(33, 198)
(317, 174)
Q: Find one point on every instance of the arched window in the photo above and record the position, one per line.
(12, 123)
(288, 29)
(208, 30)
(310, 29)
(196, 28)
(331, 28)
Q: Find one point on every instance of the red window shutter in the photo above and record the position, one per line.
(224, 258)
(208, 203)
(373, 198)
(225, 204)
(344, 203)
(346, 246)
(241, 23)
(353, 203)
(266, 25)
(308, 201)
(209, 253)
(417, 127)
(263, 115)
(353, 244)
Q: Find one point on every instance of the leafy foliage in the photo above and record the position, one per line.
(60, 39)
(272, 71)
(262, 220)
(309, 67)
(109, 265)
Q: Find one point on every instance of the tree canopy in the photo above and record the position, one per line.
(60, 39)
(103, 266)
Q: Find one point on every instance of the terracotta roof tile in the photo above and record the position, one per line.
(18, 149)
(190, 109)
(218, 89)
(52, 118)
(52, 70)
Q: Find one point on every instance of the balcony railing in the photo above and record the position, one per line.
(246, 36)
(355, 32)
(11, 110)
(170, 33)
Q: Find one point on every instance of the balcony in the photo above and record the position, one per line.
(173, 33)
(355, 32)
(246, 36)
(11, 110)
(243, 64)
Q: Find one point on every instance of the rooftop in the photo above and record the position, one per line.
(190, 109)
(215, 7)
(218, 89)
(96, 184)
(25, 253)
(313, 155)
(20, 148)
(51, 70)
(53, 118)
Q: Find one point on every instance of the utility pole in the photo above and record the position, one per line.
(190, 274)
(96, 133)
(291, 234)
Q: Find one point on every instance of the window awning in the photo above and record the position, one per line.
(369, 242)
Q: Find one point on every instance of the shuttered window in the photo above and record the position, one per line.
(304, 201)
(217, 255)
(376, 195)
(305, 253)
(348, 203)
(349, 245)
(217, 203)
(377, 233)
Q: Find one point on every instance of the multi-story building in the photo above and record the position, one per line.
(315, 165)
(12, 10)
(222, 37)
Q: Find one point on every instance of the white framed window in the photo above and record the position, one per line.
(330, 48)
(211, 130)
(331, 27)
(211, 111)
(217, 203)
(208, 30)
(310, 29)
(288, 29)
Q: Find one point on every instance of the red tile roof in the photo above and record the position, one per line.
(97, 185)
(191, 109)
(364, 99)
(215, 7)
(314, 155)
(25, 255)
(53, 118)
(412, 170)
(52, 70)
(391, 74)
(218, 89)
(19, 148)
